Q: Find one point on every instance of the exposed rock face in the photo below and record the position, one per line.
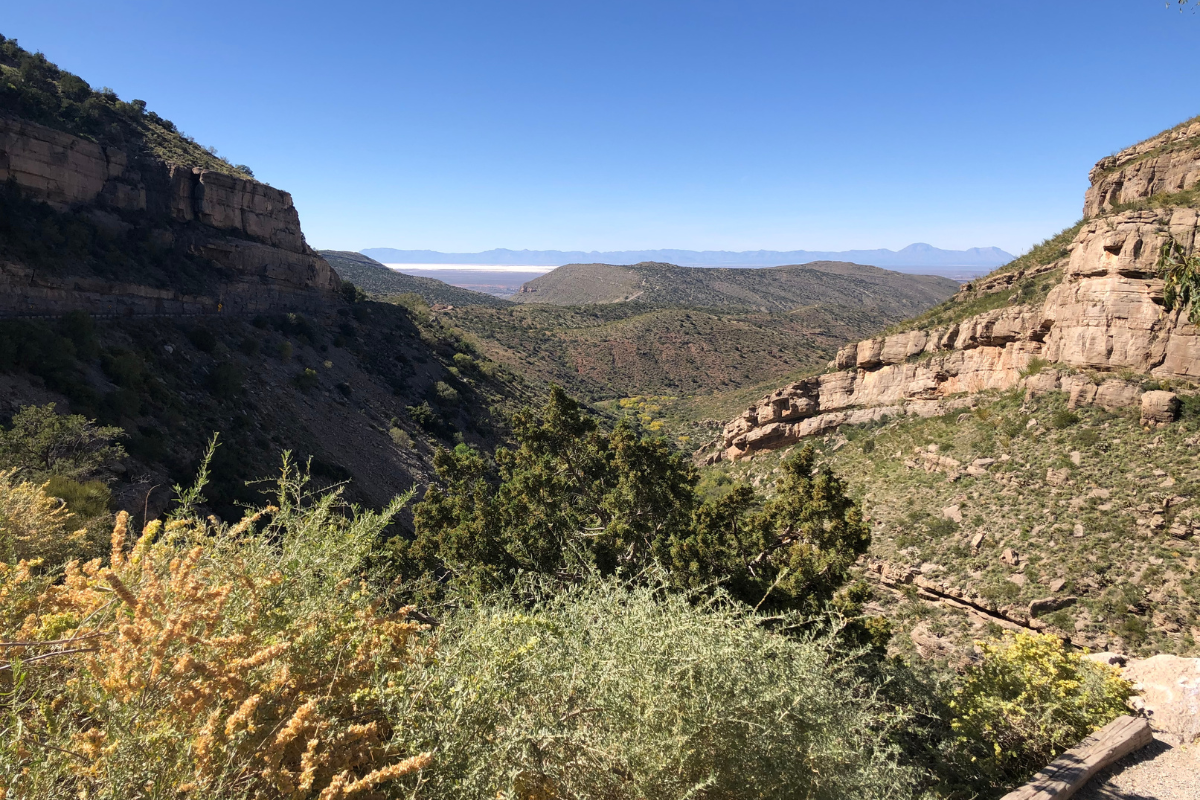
(1167, 163)
(249, 230)
(1106, 315)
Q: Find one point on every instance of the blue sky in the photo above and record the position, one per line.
(462, 126)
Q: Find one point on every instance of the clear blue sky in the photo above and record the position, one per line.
(747, 124)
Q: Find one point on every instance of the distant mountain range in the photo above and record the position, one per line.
(915, 255)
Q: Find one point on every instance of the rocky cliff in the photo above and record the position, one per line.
(1105, 318)
(246, 233)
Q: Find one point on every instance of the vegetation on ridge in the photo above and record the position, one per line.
(33, 88)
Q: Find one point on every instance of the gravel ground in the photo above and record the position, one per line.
(1157, 772)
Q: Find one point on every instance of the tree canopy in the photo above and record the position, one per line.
(570, 499)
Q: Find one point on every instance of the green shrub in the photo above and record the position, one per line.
(41, 443)
(285, 351)
(226, 380)
(1029, 700)
(307, 380)
(609, 692)
(465, 363)
(424, 416)
(1063, 418)
(1035, 366)
(85, 500)
(445, 393)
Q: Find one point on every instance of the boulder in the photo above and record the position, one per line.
(1047, 605)
(1170, 689)
(1159, 407)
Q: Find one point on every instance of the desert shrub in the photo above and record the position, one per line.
(607, 691)
(36, 526)
(445, 393)
(225, 380)
(208, 661)
(351, 293)
(203, 339)
(307, 380)
(868, 446)
(465, 363)
(401, 437)
(1030, 699)
(84, 499)
(41, 442)
(285, 351)
(1035, 366)
(424, 416)
(1063, 418)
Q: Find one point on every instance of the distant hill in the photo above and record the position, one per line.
(915, 255)
(373, 277)
(775, 289)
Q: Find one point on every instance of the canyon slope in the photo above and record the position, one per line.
(150, 285)
(770, 289)
(1083, 313)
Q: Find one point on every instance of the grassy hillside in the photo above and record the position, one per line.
(773, 289)
(375, 278)
(617, 350)
(1086, 497)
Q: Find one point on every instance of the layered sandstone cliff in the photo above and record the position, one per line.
(247, 231)
(1105, 316)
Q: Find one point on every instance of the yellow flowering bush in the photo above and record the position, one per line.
(1028, 700)
(208, 661)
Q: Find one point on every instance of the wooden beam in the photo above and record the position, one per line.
(1069, 772)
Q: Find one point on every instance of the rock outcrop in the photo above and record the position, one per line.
(249, 232)
(1106, 315)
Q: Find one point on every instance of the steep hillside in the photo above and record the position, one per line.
(374, 278)
(617, 350)
(773, 289)
(108, 209)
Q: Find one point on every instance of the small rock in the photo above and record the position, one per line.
(1078, 530)
(1017, 578)
(1076, 457)
(1010, 557)
(977, 540)
(1058, 477)
(1112, 659)
(1103, 494)
(953, 513)
(1167, 484)
(1047, 604)
(1158, 473)
(168, 349)
(1057, 584)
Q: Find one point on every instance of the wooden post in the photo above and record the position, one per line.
(1069, 772)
